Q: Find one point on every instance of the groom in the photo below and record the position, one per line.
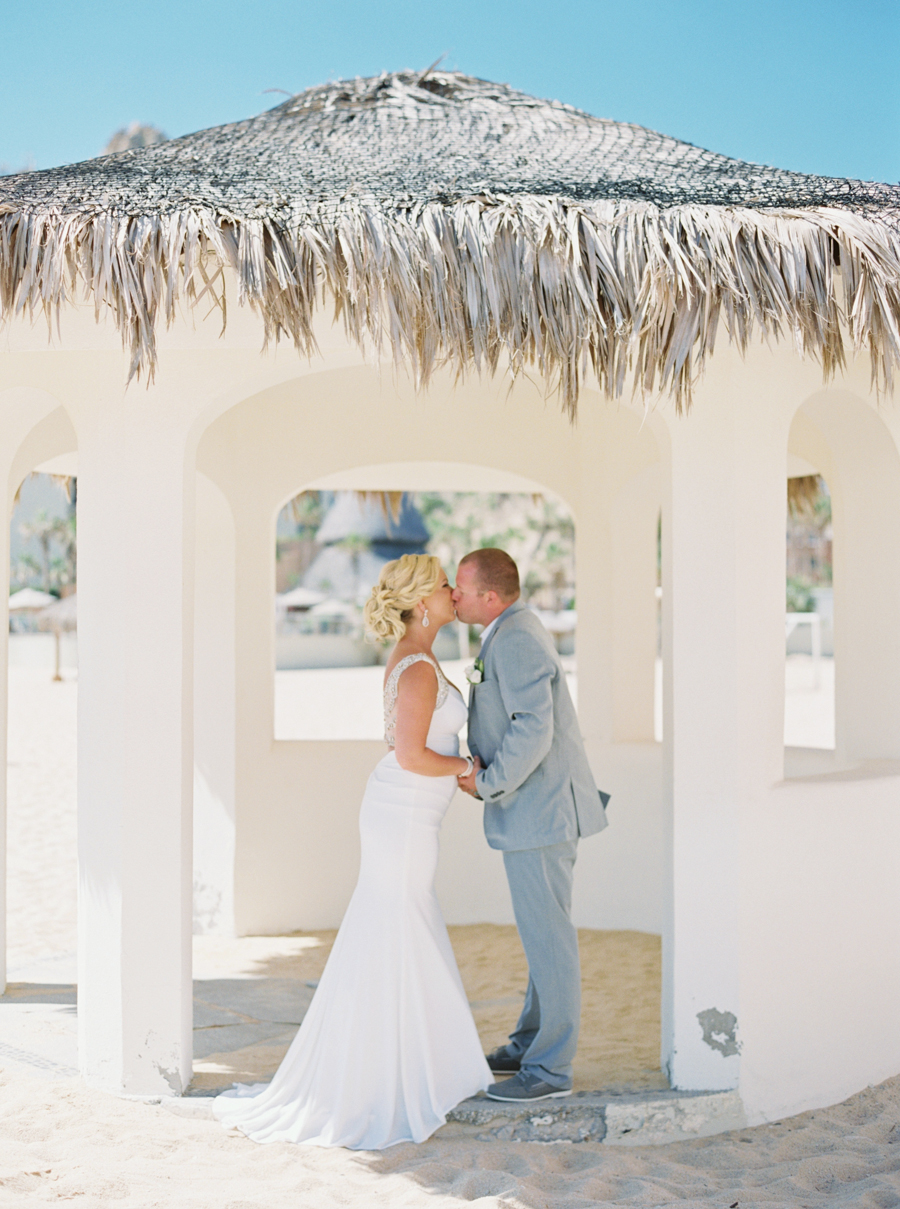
(539, 797)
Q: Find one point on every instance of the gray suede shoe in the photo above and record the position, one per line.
(501, 1062)
(523, 1088)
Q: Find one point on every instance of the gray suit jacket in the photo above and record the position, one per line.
(537, 785)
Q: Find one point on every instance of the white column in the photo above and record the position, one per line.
(135, 766)
(4, 727)
(866, 504)
(214, 713)
(595, 573)
(634, 517)
(619, 496)
(723, 597)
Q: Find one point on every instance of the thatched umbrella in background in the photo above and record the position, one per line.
(29, 600)
(60, 618)
(25, 604)
(298, 599)
(462, 222)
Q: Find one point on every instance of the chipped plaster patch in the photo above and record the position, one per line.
(719, 1031)
(170, 1073)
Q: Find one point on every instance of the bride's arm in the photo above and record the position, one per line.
(416, 699)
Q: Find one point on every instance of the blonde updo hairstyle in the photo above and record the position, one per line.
(401, 585)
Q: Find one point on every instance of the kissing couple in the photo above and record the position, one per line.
(388, 1045)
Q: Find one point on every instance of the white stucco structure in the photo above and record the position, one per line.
(770, 874)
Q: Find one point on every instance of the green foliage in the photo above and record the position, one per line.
(799, 596)
(56, 567)
(537, 531)
(307, 511)
(808, 535)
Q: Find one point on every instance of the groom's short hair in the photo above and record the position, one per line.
(495, 571)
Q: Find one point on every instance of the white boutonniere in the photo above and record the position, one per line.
(475, 672)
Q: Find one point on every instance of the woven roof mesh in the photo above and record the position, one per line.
(461, 221)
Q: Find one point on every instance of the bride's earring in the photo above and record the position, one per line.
(425, 621)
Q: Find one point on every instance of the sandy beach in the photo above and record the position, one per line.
(619, 1046)
(60, 1140)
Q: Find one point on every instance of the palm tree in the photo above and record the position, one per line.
(65, 567)
(43, 529)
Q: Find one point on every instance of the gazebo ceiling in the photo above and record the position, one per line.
(463, 222)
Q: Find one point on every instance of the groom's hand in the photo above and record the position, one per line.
(467, 784)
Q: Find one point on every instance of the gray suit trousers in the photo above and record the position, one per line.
(540, 881)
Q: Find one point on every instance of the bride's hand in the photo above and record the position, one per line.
(467, 784)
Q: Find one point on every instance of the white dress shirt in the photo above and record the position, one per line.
(489, 628)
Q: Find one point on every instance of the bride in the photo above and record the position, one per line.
(388, 1045)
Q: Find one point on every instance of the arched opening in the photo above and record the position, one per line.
(42, 688)
(40, 742)
(330, 547)
(809, 620)
(845, 443)
(297, 800)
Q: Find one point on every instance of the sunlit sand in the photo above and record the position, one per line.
(60, 1140)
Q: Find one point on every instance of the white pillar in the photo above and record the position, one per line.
(723, 600)
(594, 639)
(619, 496)
(135, 766)
(634, 518)
(4, 727)
(866, 505)
(214, 713)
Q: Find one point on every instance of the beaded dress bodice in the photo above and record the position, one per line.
(391, 687)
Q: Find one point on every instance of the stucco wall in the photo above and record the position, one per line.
(819, 941)
(297, 848)
(777, 900)
(297, 803)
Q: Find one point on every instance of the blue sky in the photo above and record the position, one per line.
(800, 84)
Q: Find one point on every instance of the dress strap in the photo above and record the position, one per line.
(392, 685)
(408, 661)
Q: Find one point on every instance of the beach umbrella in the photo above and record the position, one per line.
(452, 221)
(29, 600)
(298, 598)
(60, 618)
(334, 608)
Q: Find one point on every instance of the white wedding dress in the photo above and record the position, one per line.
(388, 1045)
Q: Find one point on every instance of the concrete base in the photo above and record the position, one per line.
(642, 1119)
(646, 1119)
(653, 1118)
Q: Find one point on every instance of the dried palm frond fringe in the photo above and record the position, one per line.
(621, 292)
(804, 492)
(65, 482)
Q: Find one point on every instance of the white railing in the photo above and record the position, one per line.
(814, 621)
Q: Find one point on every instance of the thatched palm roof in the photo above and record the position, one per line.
(463, 222)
